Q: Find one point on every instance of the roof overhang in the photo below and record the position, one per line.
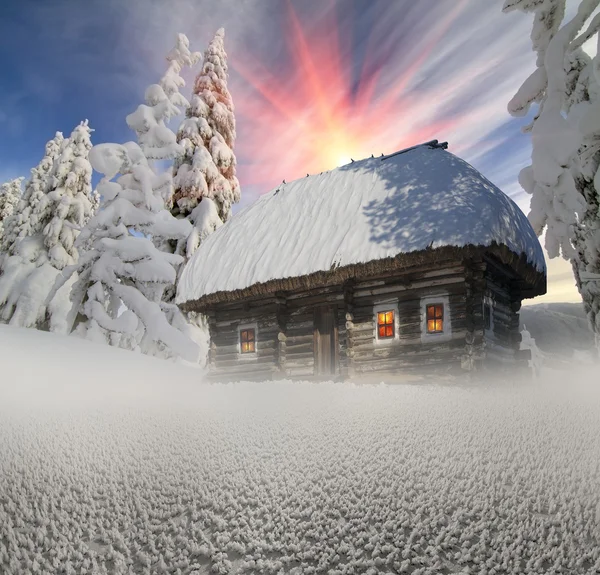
(530, 281)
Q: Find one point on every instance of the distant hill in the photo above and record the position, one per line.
(558, 328)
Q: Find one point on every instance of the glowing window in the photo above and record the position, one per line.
(385, 324)
(435, 318)
(247, 341)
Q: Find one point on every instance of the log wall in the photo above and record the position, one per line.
(285, 327)
(502, 341)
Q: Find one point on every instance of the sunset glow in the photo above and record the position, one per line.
(322, 113)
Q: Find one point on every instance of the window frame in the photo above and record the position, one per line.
(386, 306)
(247, 327)
(488, 302)
(435, 317)
(436, 336)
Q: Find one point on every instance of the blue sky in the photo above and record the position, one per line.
(458, 63)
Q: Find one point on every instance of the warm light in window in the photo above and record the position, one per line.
(385, 324)
(435, 318)
(247, 341)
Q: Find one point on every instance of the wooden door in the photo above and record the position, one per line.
(325, 341)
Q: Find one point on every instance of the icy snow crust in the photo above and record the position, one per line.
(135, 466)
(368, 210)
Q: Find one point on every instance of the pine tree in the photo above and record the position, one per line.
(121, 271)
(59, 215)
(564, 176)
(10, 194)
(207, 168)
(163, 101)
(118, 296)
(70, 201)
(25, 222)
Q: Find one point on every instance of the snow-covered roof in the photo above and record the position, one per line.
(367, 210)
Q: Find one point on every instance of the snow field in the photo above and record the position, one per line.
(152, 471)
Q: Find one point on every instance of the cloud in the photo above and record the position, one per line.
(313, 81)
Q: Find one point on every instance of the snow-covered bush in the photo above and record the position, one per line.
(143, 466)
(537, 358)
(207, 168)
(46, 242)
(10, 194)
(564, 176)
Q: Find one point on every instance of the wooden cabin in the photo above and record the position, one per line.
(386, 267)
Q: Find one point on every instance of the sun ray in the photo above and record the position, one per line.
(309, 117)
(282, 102)
(303, 55)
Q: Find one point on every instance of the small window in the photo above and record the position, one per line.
(435, 318)
(487, 316)
(247, 341)
(385, 325)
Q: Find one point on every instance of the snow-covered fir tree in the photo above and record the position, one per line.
(207, 169)
(564, 176)
(163, 101)
(70, 200)
(10, 194)
(37, 258)
(25, 221)
(118, 297)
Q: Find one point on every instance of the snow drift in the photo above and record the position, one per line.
(117, 463)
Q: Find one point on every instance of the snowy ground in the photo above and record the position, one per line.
(116, 463)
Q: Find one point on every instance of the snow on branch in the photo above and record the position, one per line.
(564, 176)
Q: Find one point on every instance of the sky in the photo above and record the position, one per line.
(315, 82)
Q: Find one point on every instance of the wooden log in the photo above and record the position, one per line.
(418, 285)
(401, 352)
(299, 371)
(410, 344)
(292, 357)
(300, 348)
(299, 339)
(300, 361)
(293, 325)
(246, 362)
(446, 361)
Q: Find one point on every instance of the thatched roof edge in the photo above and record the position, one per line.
(533, 282)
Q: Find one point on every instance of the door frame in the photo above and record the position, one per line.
(335, 371)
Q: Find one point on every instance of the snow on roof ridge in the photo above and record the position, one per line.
(430, 144)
